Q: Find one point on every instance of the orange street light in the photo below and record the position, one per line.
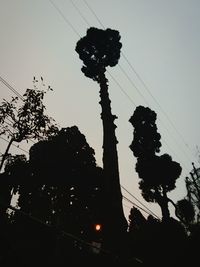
(98, 227)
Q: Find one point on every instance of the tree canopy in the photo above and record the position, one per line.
(26, 121)
(158, 173)
(98, 49)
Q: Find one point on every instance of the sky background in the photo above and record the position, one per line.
(159, 67)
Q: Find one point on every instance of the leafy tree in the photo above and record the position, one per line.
(188, 208)
(146, 140)
(136, 220)
(185, 211)
(193, 190)
(158, 174)
(15, 169)
(98, 50)
(60, 185)
(27, 121)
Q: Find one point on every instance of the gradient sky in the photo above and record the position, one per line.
(161, 40)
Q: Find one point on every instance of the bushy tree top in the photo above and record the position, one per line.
(98, 49)
(146, 141)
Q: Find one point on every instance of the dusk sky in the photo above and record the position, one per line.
(159, 67)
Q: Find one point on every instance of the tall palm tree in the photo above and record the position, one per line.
(99, 49)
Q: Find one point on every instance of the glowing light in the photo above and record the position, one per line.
(97, 227)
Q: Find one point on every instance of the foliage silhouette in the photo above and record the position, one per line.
(136, 219)
(28, 121)
(188, 209)
(146, 140)
(185, 211)
(60, 185)
(98, 50)
(157, 243)
(158, 174)
(193, 191)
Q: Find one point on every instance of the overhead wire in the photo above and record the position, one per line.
(69, 24)
(113, 78)
(121, 88)
(77, 33)
(137, 206)
(65, 234)
(15, 145)
(155, 100)
(133, 84)
(127, 206)
(18, 95)
(15, 91)
(62, 232)
(11, 88)
(152, 213)
(64, 17)
(140, 79)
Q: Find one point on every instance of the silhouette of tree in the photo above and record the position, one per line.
(9, 182)
(99, 49)
(63, 180)
(146, 140)
(193, 191)
(136, 220)
(27, 121)
(185, 211)
(158, 174)
(60, 185)
(5, 199)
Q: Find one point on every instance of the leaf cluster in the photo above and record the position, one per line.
(146, 141)
(98, 49)
(28, 120)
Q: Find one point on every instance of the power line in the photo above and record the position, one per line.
(135, 205)
(148, 90)
(80, 13)
(128, 77)
(73, 28)
(14, 145)
(133, 69)
(9, 124)
(94, 13)
(139, 202)
(66, 234)
(176, 155)
(130, 80)
(118, 84)
(65, 19)
(18, 94)
(86, 21)
(11, 88)
(127, 206)
(133, 84)
(62, 232)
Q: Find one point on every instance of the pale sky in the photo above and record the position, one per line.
(160, 41)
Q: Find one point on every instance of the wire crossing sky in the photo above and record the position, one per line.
(159, 67)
